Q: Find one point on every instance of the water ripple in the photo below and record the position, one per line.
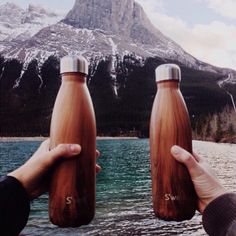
(123, 190)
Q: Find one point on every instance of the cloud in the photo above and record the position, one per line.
(226, 8)
(213, 43)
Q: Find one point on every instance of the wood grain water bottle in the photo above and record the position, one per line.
(173, 194)
(72, 187)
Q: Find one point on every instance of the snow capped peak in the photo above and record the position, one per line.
(36, 14)
(10, 13)
(40, 10)
(20, 24)
(10, 5)
(36, 8)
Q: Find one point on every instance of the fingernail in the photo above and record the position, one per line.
(75, 148)
(175, 150)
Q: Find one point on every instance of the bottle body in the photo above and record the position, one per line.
(72, 187)
(174, 197)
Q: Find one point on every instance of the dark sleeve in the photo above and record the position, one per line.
(14, 206)
(219, 217)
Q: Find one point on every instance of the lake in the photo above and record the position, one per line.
(123, 189)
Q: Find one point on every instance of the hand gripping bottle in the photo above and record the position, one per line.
(72, 187)
(173, 194)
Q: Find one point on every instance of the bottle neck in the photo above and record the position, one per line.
(174, 84)
(73, 76)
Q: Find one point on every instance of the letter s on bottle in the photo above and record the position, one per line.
(69, 200)
(167, 197)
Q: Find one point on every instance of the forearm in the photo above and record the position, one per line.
(219, 217)
(14, 206)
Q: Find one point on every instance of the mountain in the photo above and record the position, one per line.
(92, 28)
(18, 24)
(126, 27)
(123, 48)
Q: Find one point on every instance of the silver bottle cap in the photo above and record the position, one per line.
(74, 64)
(168, 72)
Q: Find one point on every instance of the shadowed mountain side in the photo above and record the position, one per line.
(122, 104)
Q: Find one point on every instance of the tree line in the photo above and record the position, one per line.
(122, 90)
(217, 127)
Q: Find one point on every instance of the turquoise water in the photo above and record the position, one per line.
(123, 189)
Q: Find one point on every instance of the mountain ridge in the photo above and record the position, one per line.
(98, 29)
(114, 24)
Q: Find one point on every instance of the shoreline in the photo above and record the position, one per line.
(18, 139)
(41, 139)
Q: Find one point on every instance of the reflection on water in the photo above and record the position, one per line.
(123, 189)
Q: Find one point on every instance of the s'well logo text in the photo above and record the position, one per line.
(170, 197)
(69, 200)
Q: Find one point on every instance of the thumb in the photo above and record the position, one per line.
(64, 150)
(188, 160)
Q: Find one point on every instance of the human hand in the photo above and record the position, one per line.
(34, 173)
(205, 182)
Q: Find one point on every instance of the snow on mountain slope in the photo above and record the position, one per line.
(19, 24)
(91, 28)
(88, 29)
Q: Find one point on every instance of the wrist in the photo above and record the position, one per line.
(204, 202)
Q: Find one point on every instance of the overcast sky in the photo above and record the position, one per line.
(204, 28)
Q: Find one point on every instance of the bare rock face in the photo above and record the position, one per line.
(112, 16)
(121, 17)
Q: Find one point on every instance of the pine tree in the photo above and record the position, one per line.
(208, 129)
(10, 73)
(11, 70)
(219, 131)
(231, 130)
(2, 62)
(104, 99)
(30, 81)
(50, 73)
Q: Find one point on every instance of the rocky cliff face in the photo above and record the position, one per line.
(96, 28)
(120, 17)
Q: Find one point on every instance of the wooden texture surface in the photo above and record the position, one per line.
(174, 197)
(72, 188)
